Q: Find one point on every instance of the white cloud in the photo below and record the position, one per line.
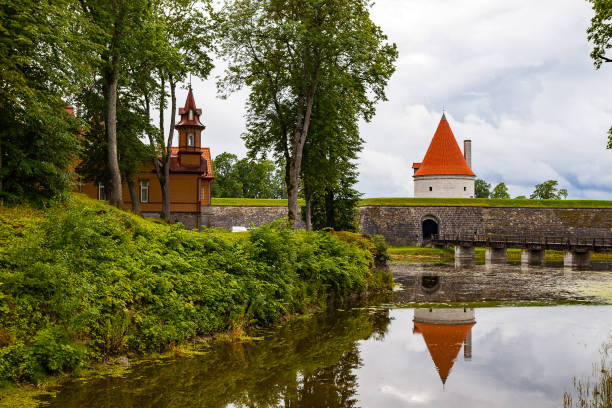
(515, 77)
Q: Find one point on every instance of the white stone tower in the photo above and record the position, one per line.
(445, 172)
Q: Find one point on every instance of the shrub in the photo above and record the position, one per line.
(82, 280)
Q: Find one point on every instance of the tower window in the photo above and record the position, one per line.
(464, 188)
(101, 192)
(190, 140)
(430, 188)
(144, 191)
(190, 114)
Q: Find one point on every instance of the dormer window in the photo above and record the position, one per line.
(190, 114)
(190, 139)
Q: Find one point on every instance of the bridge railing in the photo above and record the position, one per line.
(524, 241)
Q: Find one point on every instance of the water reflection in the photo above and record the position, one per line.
(444, 332)
(392, 357)
(309, 363)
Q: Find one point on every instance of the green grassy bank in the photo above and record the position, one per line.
(429, 255)
(81, 281)
(483, 202)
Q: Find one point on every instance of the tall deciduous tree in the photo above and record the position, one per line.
(600, 33)
(117, 22)
(45, 56)
(548, 191)
(482, 189)
(500, 191)
(183, 39)
(284, 50)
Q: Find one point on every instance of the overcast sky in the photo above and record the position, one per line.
(515, 77)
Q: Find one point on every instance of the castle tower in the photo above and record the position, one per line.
(445, 172)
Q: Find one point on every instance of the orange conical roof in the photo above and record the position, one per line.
(443, 155)
(443, 342)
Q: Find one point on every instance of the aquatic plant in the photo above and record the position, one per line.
(594, 391)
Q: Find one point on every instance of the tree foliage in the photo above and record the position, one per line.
(500, 191)
(482, 189)
(45, 55)
(548, 191)
(246, 178)
(290, 53)
(600, 34)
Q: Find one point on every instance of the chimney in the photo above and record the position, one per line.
(467, 152)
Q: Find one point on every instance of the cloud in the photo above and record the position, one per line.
(514, 77)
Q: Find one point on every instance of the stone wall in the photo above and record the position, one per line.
(228, 216)
(401, 225)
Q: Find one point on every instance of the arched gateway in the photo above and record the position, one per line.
(429, 227)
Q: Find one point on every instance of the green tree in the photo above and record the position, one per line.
(600, 34)
(245, 178)
(482, 189)
(283, 50)
(520, 197)
(500, 191)
(548, 191)
(45, 57)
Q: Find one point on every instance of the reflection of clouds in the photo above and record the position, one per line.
(522, 357)
(405, 396)
(413, 345)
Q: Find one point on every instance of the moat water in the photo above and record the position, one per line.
(522, 338)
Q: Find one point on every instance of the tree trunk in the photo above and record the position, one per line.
(308, 209)
(1, 184)
(112, 79)
(133, 194)
(166, 165)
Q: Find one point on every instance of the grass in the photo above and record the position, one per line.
(487, 202)
(258, 202)
(482, 202)
(420, 254)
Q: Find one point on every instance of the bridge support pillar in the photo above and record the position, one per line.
(576, 259)
(464, 255)
(532, 256)
(495, 255)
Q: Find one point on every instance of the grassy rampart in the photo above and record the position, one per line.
(482, 202)
(81, 281)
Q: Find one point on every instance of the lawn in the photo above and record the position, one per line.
(262, 202)
(483, 202)
(487, 202)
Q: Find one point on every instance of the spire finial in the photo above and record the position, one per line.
(190, 81)
(443, 113)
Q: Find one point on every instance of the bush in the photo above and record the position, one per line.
(82, 280)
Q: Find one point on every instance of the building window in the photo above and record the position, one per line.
(464, 188)
(101, 192)
(190, 140)
(190, 114)
(430, 188)
(144, 191)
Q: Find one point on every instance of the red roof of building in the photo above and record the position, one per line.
(184, 112)
(443, 342)
(205, 167)
(443, 155)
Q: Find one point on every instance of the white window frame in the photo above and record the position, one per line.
(190, 140)
(190, 114)
(144, 187)
(101, 192)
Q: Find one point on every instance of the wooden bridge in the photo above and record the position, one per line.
(577, 248)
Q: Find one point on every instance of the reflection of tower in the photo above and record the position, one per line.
(444, 331)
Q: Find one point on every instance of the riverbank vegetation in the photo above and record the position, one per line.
(82, 281)
(435, 255)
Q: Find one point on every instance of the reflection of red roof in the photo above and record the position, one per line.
(443, 342)
(205, 166)
(443, 155)
(184, 112)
